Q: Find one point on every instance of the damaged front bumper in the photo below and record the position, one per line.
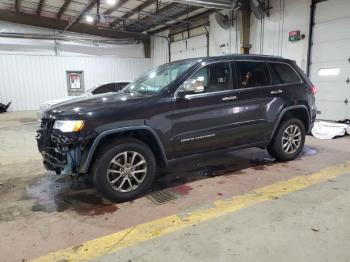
(62, 152)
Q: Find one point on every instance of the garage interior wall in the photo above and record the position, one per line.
(224, 41)
(268, 36)
(160, 49)
(34, 71)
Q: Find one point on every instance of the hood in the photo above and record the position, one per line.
(59, 100)
(93, 105)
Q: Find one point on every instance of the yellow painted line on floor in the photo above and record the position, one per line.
(160, 227)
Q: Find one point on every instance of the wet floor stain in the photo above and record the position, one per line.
(308, 151)
(228, 164)
(182, 189)
(51, 193)
(59, 194)
(262, 164)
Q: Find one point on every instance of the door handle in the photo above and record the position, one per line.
(229, 98)
(276, 92)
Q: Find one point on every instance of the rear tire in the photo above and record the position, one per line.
(288, 141)
(125, 170)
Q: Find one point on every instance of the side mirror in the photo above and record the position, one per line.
(192, 86)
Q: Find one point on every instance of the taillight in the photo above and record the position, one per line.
(313, 89)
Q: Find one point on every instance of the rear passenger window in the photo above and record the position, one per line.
(283, 74)
(254, 74)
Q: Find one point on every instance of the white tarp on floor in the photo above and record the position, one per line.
(329, 130)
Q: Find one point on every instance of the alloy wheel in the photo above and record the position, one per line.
(291, 139)
(127, 171)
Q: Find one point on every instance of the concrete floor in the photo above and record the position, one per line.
(311, 225)
(41, 213)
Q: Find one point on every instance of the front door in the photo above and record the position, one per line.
(206, 121)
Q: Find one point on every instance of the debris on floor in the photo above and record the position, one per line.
(329, 130)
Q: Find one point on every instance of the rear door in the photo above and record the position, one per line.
(259, 101)
(206, 121)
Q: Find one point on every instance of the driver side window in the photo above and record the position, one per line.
(215, 77)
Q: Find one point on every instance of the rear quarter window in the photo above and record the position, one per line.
(283, 74)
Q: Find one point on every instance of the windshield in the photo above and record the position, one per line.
(157, 79)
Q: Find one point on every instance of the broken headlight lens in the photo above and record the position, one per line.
(68, 125)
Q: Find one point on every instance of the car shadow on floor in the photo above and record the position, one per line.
(52, 193)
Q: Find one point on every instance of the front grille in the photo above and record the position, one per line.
(43, 134)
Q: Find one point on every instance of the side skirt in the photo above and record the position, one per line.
(172, 162)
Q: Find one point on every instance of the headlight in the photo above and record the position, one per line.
(68, 125)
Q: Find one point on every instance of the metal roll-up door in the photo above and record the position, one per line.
(188, 47)
(330, 59)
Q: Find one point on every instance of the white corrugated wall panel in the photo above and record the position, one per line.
(28, 80)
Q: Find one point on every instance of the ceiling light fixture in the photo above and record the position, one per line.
(111, 2)
(89, 18)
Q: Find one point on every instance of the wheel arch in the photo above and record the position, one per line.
(143, 133)
(301, 112)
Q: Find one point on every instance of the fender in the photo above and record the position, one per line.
(84, 167)
(284, 111)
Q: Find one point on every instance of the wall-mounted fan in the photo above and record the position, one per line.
(222, 20)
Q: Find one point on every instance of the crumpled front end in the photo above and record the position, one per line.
(62, 152)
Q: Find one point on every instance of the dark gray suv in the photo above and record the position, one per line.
(178, 110)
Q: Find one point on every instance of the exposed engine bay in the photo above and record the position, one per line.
(62, 152)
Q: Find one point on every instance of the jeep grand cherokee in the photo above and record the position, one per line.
(185, 108)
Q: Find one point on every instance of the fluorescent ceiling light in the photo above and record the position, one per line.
(111, 2)
(89, 18)
(328, 71)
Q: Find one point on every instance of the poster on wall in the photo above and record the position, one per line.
(75, 82)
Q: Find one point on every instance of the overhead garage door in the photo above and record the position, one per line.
(330, 60)
(188, 48)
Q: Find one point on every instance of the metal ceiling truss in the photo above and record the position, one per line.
(63, 8)
(168, 13)
(131, 24)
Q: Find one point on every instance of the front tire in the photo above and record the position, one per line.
(124, 170)
(288, 141)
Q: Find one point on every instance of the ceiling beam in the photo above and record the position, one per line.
(17, 5)
(63, 8)
(217, 4)
(147, 19)
(194, 21)
(139, 8)
(57, 24)
(148, 22)
(40, 7)
(85, 10)
(114, 8)
(159, 12)
(131, 12)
